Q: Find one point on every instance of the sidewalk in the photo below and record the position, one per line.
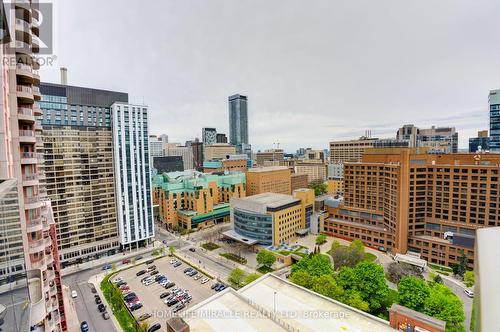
(109, 259)
(70, 311)
(96, 281)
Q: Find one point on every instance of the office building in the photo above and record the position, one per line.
(132, 181)
(335, 186)
(186, 152)
(349, 151)
(155, 146)
(193, 200)
(479, 143)
(168, 164)
(79, 174)
(271, 155)
(232, 163)
(307, 198)
(310, 154)
(266, 219)
(238, 123)
(30, 291)
(221, 138)
(275, 179)
(494, 102)
(298, 181)
(197, 148)
(335, 171)
(314, 169)
(209, 136)
(268, 301)
(218, 151)
(438, 139)
(429, 204)
(163, 138)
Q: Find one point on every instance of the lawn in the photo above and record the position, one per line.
(210, 246)
(264, 269)
(114, 298)
(369, 257)
(440, 268)
(234, 257)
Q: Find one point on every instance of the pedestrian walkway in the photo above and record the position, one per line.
(70, 310)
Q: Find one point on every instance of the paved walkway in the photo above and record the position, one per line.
(70, 310)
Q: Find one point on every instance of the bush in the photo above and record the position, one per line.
(396, 271)
(210, 246)
(265, 269)
(114, 298)
(321, 239)
(234, 257)
(469, 278)
(266, 258)
(369, 257)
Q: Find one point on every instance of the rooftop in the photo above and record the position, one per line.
(271, 200)
(267, 169)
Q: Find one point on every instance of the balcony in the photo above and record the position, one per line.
(24, 71)
(27, 136)
(28, 158)
(37, 301)
(36, 110)
(25, 114)
(25, 93)
(35, 44)
(32, 202)
(47, 241)
(25, 4)
(36, 93)
(34, 225)
(22, 47)
(36, 246)
(30, 180)
(36, 76)
(38, 125)
(49, 259)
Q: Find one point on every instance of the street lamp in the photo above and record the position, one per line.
(274, 302)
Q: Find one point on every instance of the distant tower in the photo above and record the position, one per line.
(238, 122)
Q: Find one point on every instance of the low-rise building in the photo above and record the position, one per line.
(298, 181)
(352, 150)
(271, 155)
(275, 179)
(231, 163)
(193, 200)
(218, 151)
(315, 170)
(335, 186)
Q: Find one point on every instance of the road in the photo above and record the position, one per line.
(459, 291)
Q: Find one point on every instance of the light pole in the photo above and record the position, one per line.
(274, 302)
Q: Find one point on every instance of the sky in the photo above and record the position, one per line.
(313, 71)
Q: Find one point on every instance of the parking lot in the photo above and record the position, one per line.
(149, 296)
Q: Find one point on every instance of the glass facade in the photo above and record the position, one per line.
(494, 145)
(238, 122)
(254, 226)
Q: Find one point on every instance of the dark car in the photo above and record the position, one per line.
(92, 289)
(84, 326)
(187, 269)
(164, 295)
(138, 257)
(136, 306)
(144, 316)
(142, 280)
(220, 287)
(98, 300)
(154, 327)
(178, 307)
(177, 264)
(140, 273)
(126, 261)
(129, 296)
(170, 284)
(101, 307)
(120, 283)
(172, 302)
(152, 273)
(150, 261)
(160, 276)
(152, 267)
(214, 286)
(105, 315)
(192, 249)
(193, 273)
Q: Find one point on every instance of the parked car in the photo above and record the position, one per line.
(84, 326)
(126, 261)
(105, 315)
(152, 273)
(106, 267)
(119, 283)
(145, 278)
(164, 295)
(74, 294)
(92, 289)
(129, 296)
(468, 292)
(169, 284)
(220, 287)
(140, 273)
(159, 276)
(124, 286)
(177, 264)
(172, 261)
(138, 257)
(150, 261)
(186, 270)
(192, 249)
(117, 280)
(198, 276)
(151, 267)
(101, 307)
(148, 279)
(144, 316)
(148, 282)
(204, 280)
(136, 306)
(98, 300)
(172, 302)
(154, 327)
(178, 307)
(192, 273)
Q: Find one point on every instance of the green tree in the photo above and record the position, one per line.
(327, 286)
(171, 249)
(321, 239)
(469, 278)
(413, 293)
(358, 245)
(319, 187)
(437, 279)
(445, 305)
(266, 258)
(251, 277)
(396, 271)
(335, 245)
(302, 278)
(460, 268)
(346, 256)
(316, 266)
(353, 298)
(236, 277)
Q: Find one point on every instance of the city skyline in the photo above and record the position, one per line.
(399, 82)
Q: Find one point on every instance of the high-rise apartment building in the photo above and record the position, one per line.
(349, 151)
(28, 246)
(186, 152)
(432, 204)
(168, 164)
(479, 143)
(197, 148)
(132, 181)
(494, 102)
(155, 146)
(298, 181)
(80, 177)
(209, 136)
(238, 123)
(221, 138)
(273, 179)
(437, 139)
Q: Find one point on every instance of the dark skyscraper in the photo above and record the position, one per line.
(494, 101)
(221, 138)
(238, 122)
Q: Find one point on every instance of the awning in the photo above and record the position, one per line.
(239, 238)
(302, 231)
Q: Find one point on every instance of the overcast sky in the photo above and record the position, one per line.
(314, 71)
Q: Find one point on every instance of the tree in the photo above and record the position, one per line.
(327, 286)
(251, 277)
(396, 271)
(437, 279)
(319, 187)
(321, 239)
(316, 265)
(171, 249)
(461, 267)
(353, 298)
(236, 277)
(302, 278)
(358, 245)
(445, 305)
(469, 278)
(346, 256)
(413, 293)
(266, 258)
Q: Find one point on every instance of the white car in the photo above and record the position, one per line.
(148, 279)
(469, 292)
(173, 261)
(204, 280)
(164, 282)
(149, 282)
(74, 294)
(117, 280)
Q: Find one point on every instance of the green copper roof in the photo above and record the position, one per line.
(189, 181)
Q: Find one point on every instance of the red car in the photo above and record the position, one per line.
(126, 261)
(124, 288)
(132, 300)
